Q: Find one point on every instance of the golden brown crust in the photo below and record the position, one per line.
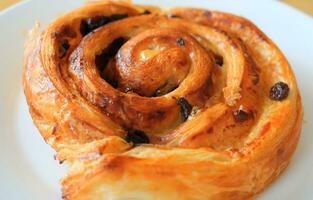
(86, 92)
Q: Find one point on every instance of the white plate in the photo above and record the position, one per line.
(28, 170)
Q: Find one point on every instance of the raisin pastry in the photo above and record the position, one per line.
(149, 104)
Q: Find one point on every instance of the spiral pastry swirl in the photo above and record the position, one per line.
(150, 104)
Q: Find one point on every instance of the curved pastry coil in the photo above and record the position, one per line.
(145, 104)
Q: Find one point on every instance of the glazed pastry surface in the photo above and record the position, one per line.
(144, 103)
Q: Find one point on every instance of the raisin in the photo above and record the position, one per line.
(136, 137)
(185, 108)
(116, 17)
(146, 12)
(97, 21)
(92, 23)
(279, 91)
(219, 60)
(240, 115)
(64, 46)
(103, 58)
(173, 16)
(180, 42)
(84, 29)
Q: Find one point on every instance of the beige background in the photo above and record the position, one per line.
(304, 5)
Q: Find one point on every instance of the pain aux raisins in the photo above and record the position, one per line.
(89, 24)
(136, 137)
(185, 108)
(279, 91)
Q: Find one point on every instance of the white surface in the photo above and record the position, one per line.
(27, 167)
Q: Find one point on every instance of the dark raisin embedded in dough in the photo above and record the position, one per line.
(240, 115)
(180, 42)
(116, 17)
(279, 91)
(92, 23)
(219, 60)
(136, 137)
(173, 16)
(112, 82)
(185, 108)
(84, 29)
(146, 12)
(103, 58)
(64, 46)
(97, 21)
